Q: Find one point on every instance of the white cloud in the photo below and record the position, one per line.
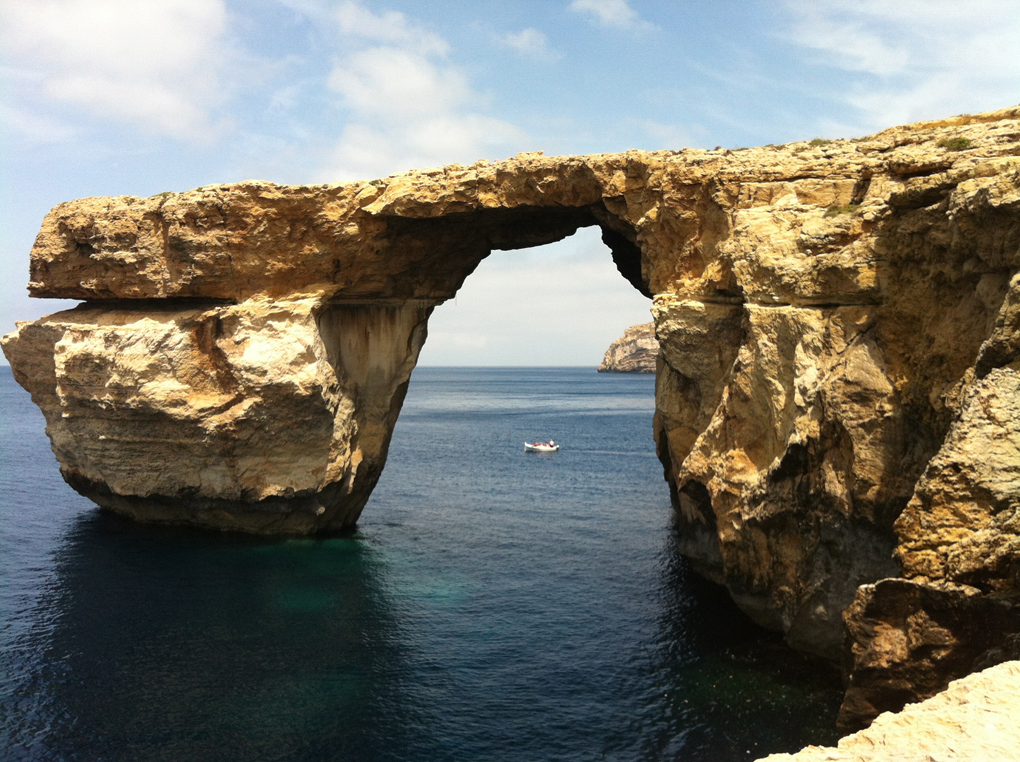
(375, 150)
(611, 13)
(392, 83)
(668, 136)
(408, 105)
(530, 43)
(37, 129)
(154, 64)
(918, 59)
(390, 28)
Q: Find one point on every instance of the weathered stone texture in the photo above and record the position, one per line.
(977, 719)
(253, 416)
(838, 328)
(909, 639)
(635, 352)
(959, 549)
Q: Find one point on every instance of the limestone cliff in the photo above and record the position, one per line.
(977, 718)
(634, 352)
(839, 337)
(263, 416)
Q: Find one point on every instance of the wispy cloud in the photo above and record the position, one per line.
(35, 128)
(669, 136)
(612, 13)
(388, 28)
(531, 44)
(408, 105)
(560, 304)
(155, 64)
(916, 59)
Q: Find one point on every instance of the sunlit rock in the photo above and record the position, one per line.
(634, 352)
(977, 718)
(838, 331)
(269, 416)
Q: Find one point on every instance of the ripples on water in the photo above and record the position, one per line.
(493, 605)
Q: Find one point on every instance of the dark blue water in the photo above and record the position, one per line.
(493, 605)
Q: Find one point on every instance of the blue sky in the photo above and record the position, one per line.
(110, 97)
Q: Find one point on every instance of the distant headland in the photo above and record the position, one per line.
(634, 352)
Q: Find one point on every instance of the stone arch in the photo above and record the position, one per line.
(829, 313)
(263, 336)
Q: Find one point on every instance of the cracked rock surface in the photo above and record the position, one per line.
(977, 718)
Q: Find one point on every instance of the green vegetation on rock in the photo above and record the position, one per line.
(834, 211)
(954, 144)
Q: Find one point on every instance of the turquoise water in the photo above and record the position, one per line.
(492, 605)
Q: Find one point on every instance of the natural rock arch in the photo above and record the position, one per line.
(838, 329)
(295, 316)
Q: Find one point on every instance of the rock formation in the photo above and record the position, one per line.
(977, 718)
(267, 416)
(634, 352)
(839, 337)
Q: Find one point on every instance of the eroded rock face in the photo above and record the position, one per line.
(959, 549)
(260, 416)
(838, 328)
(635, 352)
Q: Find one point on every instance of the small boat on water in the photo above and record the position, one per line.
(549, 446)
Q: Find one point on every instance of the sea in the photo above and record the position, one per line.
(492, 604)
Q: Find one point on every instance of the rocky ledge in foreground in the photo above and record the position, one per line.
(634, 352)
(976, 720)
(836, 399)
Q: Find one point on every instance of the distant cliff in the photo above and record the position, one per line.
(634, 352)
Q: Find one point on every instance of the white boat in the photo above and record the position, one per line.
(549, 446)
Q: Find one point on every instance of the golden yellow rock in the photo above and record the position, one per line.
(263, 416)
(977, 719)
(839, 330)
(634, 352)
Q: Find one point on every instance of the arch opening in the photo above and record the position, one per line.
(443, 250)
(557, 304)
(534, 272)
